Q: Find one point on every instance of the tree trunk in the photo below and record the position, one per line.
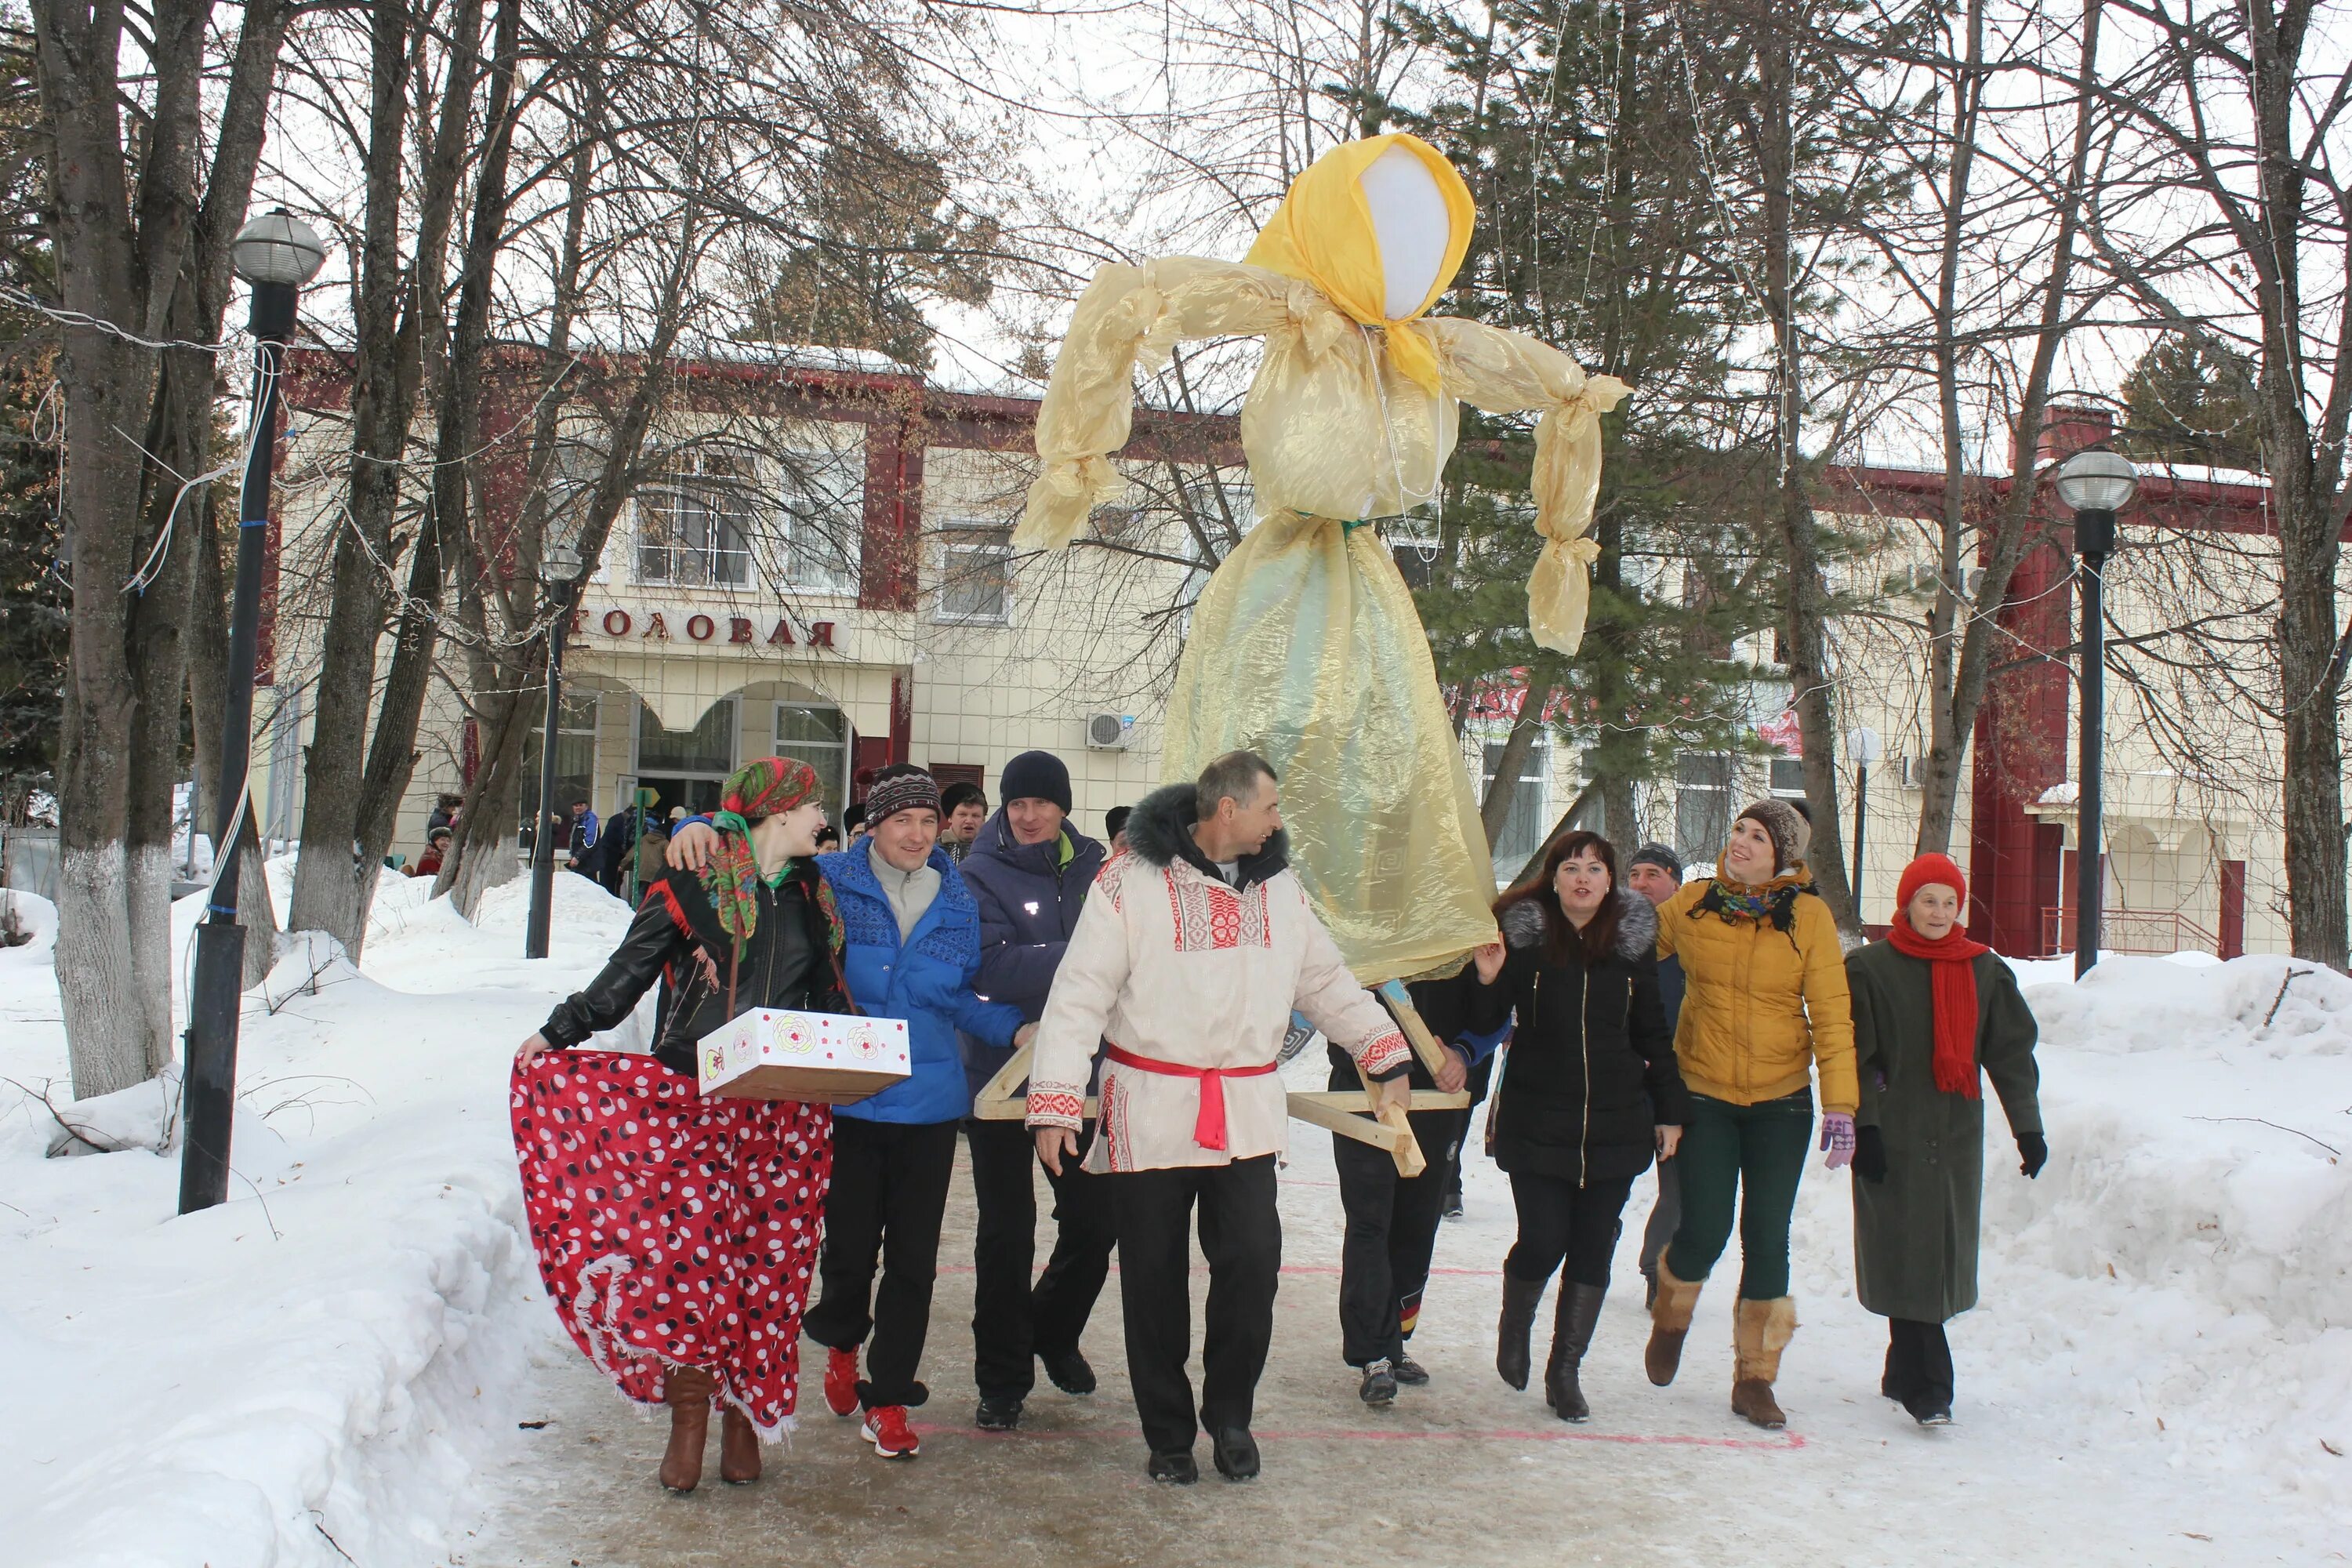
(334, 880)
(1961, 661)
(2311, 661)
(1806, 614)
(392, 756)
(119, 252)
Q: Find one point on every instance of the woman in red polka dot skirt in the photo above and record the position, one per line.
(678, 1234)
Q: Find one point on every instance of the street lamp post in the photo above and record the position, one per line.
(276, 254)
(2094, 485)
(558, 570)
(1862, 745)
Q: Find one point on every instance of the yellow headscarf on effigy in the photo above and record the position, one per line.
(1325, 233)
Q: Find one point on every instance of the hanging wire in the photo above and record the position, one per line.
(66, 318)
(161, 551)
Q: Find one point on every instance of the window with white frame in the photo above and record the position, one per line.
(1701, 804)
(694, 522)
(821, 517)
(975, 570)
(1788, 777)
(1525, 827)
(818, 734)
(575, 753)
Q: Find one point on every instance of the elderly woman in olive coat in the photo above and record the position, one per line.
(1934, 1013)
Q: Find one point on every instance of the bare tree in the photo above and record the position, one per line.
(2237, 227)
(141, 223)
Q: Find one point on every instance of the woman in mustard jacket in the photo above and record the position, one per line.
(1764, 1005)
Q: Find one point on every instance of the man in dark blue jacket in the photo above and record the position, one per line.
(1656, 873)
(1029, 871)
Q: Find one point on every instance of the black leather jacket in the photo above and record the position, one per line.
(787, 963)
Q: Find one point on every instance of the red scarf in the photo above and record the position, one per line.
(1952, 976)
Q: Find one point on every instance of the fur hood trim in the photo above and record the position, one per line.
(1637, 925)
(1159, 833)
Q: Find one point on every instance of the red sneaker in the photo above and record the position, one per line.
(840, 1382)
(887, 1429)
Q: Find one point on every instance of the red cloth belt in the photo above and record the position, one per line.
(1209, 1126)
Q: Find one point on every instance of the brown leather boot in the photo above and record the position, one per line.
(739, 1448)
(1670, 1319)
(1761, 1331)
(687, 1391)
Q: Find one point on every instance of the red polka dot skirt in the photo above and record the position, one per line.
(673, 1230)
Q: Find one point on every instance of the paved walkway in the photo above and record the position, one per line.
(1462, 1471)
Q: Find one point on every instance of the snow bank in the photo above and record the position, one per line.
(311, 1371)
(2198, 1207)
(2176, 1289)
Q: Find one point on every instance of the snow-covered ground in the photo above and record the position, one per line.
(320, 1370)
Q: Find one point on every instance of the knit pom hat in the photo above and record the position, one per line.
(1035, 776)
(1792, 835)
(900, 788)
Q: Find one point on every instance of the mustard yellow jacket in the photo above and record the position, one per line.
(1761, 1006)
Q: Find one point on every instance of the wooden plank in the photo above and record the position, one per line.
(1000, 1099)
(1416, 1030)
(1361, 1103)
(1363, 1129)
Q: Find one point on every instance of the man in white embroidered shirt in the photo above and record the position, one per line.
(1193, 952)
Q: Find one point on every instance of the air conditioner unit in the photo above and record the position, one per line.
(1110, 732)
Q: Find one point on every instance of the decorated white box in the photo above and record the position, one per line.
(818, 1058)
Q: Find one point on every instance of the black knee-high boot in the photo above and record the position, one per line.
(1512, 1358)
(1573, 1320)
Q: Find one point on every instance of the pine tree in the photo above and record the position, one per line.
(2188, 401)
(1599, 231)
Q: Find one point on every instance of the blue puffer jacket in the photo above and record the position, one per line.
(1029, 896)
(926, 979)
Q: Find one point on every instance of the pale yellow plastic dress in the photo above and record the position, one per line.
(1305, 646)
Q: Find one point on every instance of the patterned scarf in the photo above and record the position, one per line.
(768, 788)
(1772, 903)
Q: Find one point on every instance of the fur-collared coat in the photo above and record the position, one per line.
(1171, 962)
(1590, 1072)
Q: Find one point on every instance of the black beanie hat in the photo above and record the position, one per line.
(1655, 854)
(1035, 776)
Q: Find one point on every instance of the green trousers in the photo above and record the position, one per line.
(1725, 1148)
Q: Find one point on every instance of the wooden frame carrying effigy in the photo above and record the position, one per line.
(1348, 1113)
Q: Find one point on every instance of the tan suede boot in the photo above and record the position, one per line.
(1670, 1319)
(687, 1391)
(1761, 1331)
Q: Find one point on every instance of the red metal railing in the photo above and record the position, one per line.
(2131, 931)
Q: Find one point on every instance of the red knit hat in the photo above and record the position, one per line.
(1928, 871)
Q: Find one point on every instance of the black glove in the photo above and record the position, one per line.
(1869, 1153)
(2036, 1151)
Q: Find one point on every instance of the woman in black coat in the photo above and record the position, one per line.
(1588, 1091)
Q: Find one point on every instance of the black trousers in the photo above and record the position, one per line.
(1015, 1322)
(1392, 1232)
(1560, 1222)
(1919, 1363)
(889, 1193)
(1240, 1235)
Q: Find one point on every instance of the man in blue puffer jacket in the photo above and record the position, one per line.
(1029, 869)
(912, 952)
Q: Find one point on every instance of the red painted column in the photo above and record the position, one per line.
(2233, 934)
(2020, 751)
